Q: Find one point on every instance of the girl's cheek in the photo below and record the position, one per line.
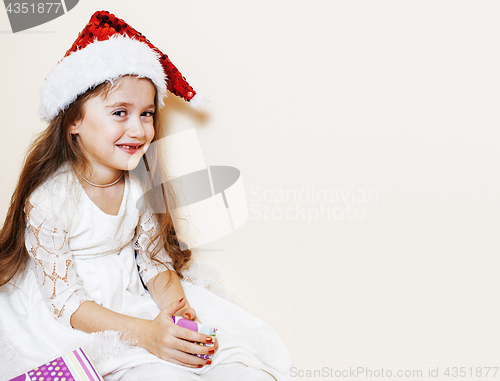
(152, 134)
(116, 134)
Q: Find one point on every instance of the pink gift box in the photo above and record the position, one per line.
(74, 366)
(194, 326)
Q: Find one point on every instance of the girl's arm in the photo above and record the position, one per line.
(161, 280)
(160, 336)
(165, 288)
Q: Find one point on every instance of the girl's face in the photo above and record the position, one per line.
(117, 128)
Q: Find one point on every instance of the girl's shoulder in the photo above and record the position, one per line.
(56, 187)
(58, 195)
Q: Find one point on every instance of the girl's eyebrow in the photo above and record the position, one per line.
(117, 104)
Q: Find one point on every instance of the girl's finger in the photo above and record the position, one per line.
(193, 348)
(216, 344)
(185, 359)
(189, 314)
(188, 335)
(171, 309)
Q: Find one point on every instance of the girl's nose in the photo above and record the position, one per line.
(136, 129)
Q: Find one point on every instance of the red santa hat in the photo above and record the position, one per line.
(105, 50)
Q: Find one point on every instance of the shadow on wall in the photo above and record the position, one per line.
(175, 105)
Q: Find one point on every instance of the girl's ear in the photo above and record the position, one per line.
(74, 127)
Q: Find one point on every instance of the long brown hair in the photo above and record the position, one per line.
(52, 148)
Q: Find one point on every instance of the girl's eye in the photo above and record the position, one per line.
(148, 113)
(120, 113)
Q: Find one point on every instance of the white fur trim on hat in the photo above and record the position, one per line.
(99, 62)
(199, 100)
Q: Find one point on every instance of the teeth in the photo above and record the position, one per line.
(130, 147)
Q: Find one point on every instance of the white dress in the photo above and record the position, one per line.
(80, 253)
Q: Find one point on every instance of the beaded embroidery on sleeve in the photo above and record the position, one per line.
(49, 249)
(145, 232)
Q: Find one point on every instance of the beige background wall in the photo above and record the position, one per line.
(382, 113)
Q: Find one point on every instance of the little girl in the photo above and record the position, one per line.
(79, 255)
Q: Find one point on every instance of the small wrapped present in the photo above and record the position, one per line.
(74, 366)
(194, 326)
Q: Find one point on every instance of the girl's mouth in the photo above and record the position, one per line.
(130, 149)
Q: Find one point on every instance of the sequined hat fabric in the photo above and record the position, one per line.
(106, 49)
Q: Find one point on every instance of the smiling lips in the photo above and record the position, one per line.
(130, 148)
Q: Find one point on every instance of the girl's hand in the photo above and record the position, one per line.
(190, 314)
(171, 342)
